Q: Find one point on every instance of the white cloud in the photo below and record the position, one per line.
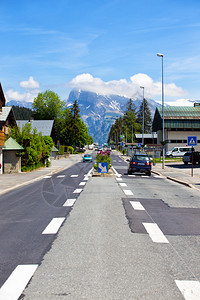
(32, 90)
(126, 88)
(181, 102)
(30, 84)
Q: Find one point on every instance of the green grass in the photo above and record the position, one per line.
(168, 159)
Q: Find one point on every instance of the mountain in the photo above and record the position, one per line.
(99, 112)
(19, 103)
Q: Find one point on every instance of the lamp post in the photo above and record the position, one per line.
(163, 122)
(143, 118)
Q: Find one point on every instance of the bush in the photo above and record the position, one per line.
(103, 157)
(70, 149)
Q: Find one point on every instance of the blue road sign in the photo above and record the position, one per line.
(139, 145)
(192, 141)
(103, 167)
(122, 144)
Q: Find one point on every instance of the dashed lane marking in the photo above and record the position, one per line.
(60, 176)
(122, 184)
(74, 176)
(137, 205)
(47, 176)
(77, 191)
(155, 233)
(190, 289)
(131, 175)
(16, 283)
(128, 192)
(53, 226)
(69, 202)
(119, 179)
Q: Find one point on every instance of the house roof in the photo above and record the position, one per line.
(11, 144)
(54, 149)
(177, 117)
(180, 112)
(5, 112)
(2, 97)
(43, 126)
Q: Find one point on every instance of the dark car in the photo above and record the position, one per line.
(187, 158)
(140, 163)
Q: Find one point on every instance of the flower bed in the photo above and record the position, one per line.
(103, 156)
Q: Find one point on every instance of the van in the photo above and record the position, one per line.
(178, 151)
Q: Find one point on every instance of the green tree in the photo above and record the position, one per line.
(147, 117)
(48, 106)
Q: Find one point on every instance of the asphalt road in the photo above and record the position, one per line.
(26, 212)
(129, 237)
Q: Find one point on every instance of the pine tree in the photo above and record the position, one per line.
(147, 116)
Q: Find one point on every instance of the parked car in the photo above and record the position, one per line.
(140, 162)
(178, 151)
(87, 157)
(187, 158)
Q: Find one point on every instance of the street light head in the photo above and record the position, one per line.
(160, 55)
(142, 87)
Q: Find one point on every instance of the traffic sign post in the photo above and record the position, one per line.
(103, 167)
(192, 141)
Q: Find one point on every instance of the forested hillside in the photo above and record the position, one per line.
(22, 113)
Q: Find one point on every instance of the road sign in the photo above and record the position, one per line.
(139, 145)
(192, 141)
(122, 144)
(103, 167)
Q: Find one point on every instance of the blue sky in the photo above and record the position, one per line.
(106, 46)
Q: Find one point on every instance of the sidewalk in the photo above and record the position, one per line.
(173, 172)
(9, 182)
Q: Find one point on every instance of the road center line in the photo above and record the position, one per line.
(155, 233)
(53, 226)
(69, 202)
(128, 192)
(189, 289)
(77, 191)
(137, 205)
(122, 184)
(16, 283)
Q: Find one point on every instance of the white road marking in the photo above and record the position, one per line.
(122, 184)
(53, 226)
(16, 283)
(86, 177)
(128, 192)
(82, 183)
(137, 205)
(155, 233)
(47, 176)
(116, 173)
(189, 289)
(60, 176)
(74, 176)
(119, 179)
(69, 202)
(131, 175)
(77, 191)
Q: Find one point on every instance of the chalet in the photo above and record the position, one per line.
(179, 123)
(46, 127)
(7, 119)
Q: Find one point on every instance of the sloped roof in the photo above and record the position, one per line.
(180, 112)
(43, 126)
(11, 144)
(5, 113)
(54, 149)
(2, 97)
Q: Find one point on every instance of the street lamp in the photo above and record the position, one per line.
(163, 122)
(143, 118)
